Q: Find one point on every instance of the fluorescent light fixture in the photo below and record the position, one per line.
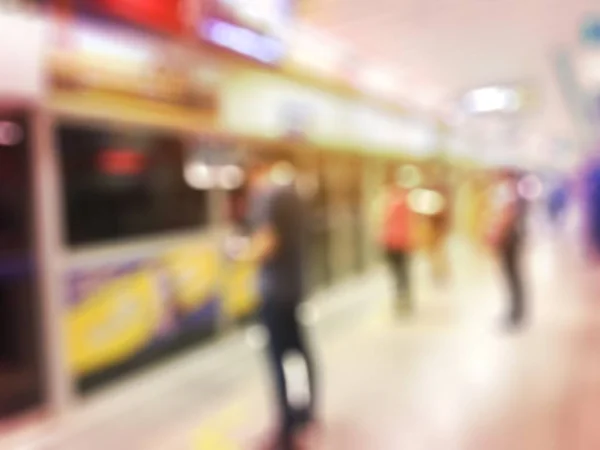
(426, 201)
(230, 177)
(95, 42)
(199, 176)
(244, 41)
(492, 99)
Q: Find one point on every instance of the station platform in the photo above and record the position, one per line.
(447, 378)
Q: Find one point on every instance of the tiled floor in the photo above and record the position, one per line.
(447, 379)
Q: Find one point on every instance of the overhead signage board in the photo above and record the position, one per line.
(160, 15)
(126, 63)
(252, 28)
(380, 131)
(270, 106)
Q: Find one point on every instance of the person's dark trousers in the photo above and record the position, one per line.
(286, 338)
(510, 256)
(399, 264)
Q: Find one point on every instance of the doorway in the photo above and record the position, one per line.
(21, 382)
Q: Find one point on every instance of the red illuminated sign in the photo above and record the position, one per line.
(162, 15)
(121, 162)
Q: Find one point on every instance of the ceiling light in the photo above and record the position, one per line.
(230, 177)
(104, 43)
(426, 201)
(199, 176)
(491, 99)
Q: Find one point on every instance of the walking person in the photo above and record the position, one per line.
(508, 236)
(396, 239)
(277, 243)
(557, 204)
(440, 225)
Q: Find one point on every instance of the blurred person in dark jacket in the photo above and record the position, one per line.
(276, 219)
(507, 235)
(440, 227)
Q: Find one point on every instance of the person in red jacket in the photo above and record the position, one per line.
(396, 240)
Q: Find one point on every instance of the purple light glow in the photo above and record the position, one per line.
(243, 41)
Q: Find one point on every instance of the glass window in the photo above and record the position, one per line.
(21, 377)
(125, 184)
(14, 186)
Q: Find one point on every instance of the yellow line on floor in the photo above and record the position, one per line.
(214, 440)
(216, 433)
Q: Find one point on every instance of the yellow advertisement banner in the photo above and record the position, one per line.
(240, 290)
(193, 273)
(114, 322)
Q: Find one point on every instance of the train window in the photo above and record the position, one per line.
(120, 185)
(21, 379)
(14, 191)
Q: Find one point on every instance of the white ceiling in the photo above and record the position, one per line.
(439, 48)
